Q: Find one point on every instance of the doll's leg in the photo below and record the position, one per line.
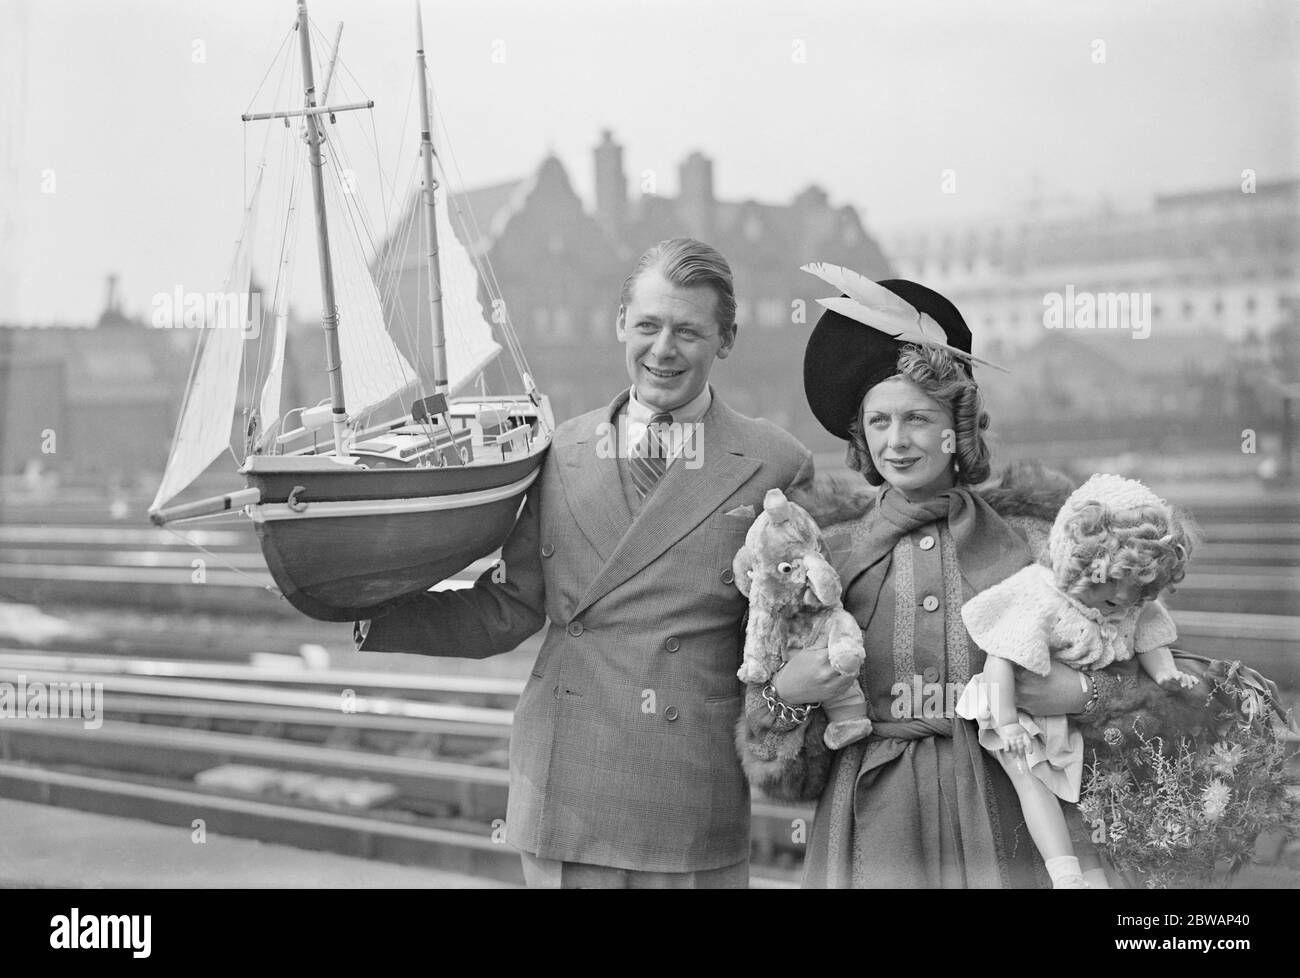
(1094, 872)
(1047, 826)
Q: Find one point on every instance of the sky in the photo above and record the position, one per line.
(121, 147)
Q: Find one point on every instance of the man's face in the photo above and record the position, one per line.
(671, 338)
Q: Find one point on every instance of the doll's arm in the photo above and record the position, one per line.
(1159, 665)
(1000, 684)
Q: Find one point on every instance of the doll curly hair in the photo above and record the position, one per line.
(939, 375)
(1151, 543)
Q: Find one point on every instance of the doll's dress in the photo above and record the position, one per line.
(1029, 621)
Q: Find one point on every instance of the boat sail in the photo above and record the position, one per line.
(355, 509)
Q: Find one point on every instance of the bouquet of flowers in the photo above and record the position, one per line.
(1180, 786)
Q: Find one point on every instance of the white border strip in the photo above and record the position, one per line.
(389, 507)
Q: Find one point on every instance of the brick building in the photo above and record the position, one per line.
(561, 266)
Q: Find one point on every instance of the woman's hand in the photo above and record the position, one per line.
(1057, 694)
(809, 677)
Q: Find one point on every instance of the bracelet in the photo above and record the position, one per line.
(1091, 704)
(786, 711)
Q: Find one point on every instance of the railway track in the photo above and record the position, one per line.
(398, 766)
(409, 775)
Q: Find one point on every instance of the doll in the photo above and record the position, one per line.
(1090, 601)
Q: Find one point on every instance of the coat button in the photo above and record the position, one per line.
(575, 628)
(930, 675)
(728, 577)
(547, 550)
(930, 603)
(926, 543)
(672, 645)
(670, 714)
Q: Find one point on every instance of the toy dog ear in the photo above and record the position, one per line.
(823, 580)
(741, 565)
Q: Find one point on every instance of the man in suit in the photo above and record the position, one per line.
(623, 765)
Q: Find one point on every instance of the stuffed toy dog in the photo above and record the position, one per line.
(794, 604)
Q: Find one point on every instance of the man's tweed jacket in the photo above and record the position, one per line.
(623, 748)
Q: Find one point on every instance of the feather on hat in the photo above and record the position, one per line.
(856, 342)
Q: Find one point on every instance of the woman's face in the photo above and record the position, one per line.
(910, 436)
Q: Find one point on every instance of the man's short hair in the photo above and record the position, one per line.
(687, 263)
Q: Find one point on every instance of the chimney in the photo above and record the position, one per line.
(611, 184)
(112, 314)
(111, 301)
(695, 203)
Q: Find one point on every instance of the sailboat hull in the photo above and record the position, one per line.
(348, 543)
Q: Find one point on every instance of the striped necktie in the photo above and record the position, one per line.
(649, 460)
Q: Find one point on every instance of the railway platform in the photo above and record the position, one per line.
(46, 847)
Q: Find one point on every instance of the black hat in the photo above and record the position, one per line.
(845, 357)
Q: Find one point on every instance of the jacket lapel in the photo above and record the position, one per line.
(589, 470)
(681, 502)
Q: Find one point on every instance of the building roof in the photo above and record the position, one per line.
(750, 233)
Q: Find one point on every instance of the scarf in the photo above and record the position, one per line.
(989, 550)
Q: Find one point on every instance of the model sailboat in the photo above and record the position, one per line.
(353, 511)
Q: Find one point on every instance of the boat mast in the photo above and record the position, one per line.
(440, 383)
(330, 312)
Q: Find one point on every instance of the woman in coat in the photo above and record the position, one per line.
(918, 803)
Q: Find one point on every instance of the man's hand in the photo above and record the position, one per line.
(809, 677)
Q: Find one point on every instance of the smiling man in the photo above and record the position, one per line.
(623, 765)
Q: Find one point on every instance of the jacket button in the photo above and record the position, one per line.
(672, 645)
(575, 628)
(547, 550)
(931, 675)
(728, 577)
(670, 714)
(930, 603)
(926, 543)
